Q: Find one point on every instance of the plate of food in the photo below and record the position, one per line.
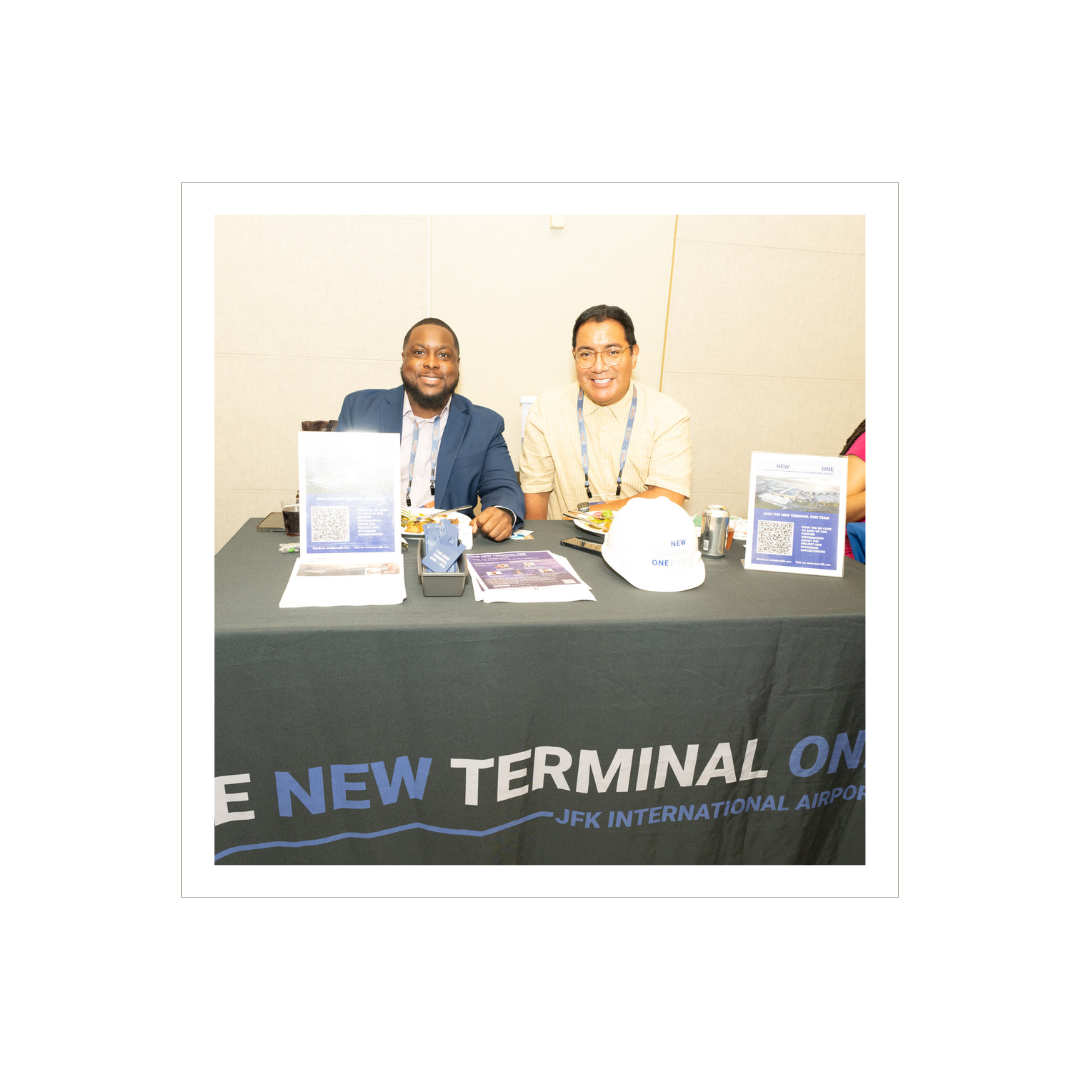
(413, 524)
(597, 522)
(413, 521)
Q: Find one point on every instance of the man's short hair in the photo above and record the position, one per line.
(601, 313)
(431, 322)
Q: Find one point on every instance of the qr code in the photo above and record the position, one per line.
(775, 537)
(329, 523)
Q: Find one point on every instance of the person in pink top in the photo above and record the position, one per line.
(855, 448)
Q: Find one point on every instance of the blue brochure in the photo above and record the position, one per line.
(797, 508)
(442, 547)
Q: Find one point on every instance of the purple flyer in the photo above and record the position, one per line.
(520, 569)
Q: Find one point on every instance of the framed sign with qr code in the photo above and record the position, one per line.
(350, 513)
(797, 514)
(349, 493)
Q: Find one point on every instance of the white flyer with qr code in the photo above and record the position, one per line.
(797, 514)
(350, 516)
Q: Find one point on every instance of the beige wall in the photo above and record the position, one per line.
(512, 287)
(764, 340)
(307, 309)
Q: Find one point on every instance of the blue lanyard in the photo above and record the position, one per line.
(585, 444)
(434, 455)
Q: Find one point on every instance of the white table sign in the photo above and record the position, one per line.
(797, 514)
(350, 519)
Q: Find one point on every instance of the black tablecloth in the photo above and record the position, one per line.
(749, 655)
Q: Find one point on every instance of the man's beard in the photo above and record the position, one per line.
(419, 396)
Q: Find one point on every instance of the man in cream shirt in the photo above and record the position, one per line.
(606, 437)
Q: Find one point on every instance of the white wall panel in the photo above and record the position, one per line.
(766, 342)
(307, 310)
(837, 233)
(512, 287)
(319, 286)
(766, 311)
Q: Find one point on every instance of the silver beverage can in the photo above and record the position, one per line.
(714, 530)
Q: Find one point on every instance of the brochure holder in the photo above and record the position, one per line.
(452, 583)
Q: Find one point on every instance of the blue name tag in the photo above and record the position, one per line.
(442, 560)
(442, 547)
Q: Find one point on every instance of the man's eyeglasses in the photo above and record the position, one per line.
(612, 355)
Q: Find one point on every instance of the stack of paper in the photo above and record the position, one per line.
(345, 583)
(525, 577)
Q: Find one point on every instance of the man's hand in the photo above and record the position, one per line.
(494, 522)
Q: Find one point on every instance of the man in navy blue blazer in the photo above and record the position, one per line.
(451, 450)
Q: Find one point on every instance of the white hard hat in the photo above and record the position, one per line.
(652, 543)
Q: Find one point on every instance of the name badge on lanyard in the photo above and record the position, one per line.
(585, 444)
(434, 455)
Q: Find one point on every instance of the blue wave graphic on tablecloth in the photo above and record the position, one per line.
(383, 832)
